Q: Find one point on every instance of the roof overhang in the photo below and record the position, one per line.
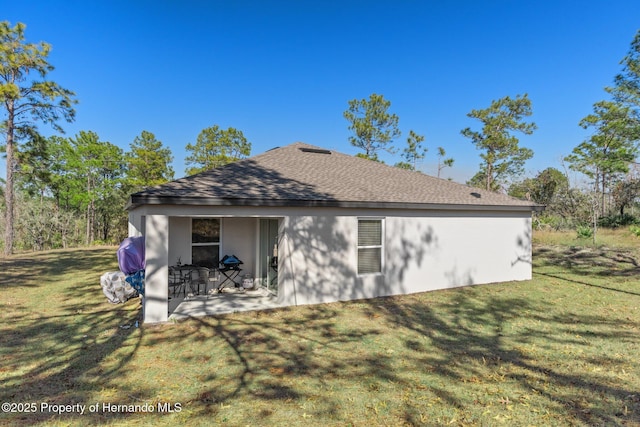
(140, 200)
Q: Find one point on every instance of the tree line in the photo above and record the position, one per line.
(68, 191)
(72, 191)
(607, 158)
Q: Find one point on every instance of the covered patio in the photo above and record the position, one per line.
(189, 244)
(230, 301)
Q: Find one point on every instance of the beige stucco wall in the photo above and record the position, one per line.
(423, 249)
(180, 240)
(239, 237)
(449, 251)
(442, 250)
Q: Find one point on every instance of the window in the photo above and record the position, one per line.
(205, 242)
(369, 246)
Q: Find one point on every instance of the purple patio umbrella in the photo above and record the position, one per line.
(131, 255)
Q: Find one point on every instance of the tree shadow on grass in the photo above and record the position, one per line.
(469, 344)
(480, 346)
(57, 347)
(588, 266)
(269, 354)
(581, 282)
(586, 261)
(473, 348)
(36, 269)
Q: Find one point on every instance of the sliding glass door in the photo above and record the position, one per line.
(268, 255)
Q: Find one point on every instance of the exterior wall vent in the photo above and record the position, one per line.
(315, 150)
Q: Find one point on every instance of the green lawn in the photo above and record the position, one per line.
(561, 349)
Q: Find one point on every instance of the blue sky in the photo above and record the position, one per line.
(283, 71)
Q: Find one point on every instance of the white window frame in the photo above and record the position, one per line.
(218, 243)
(380, 246)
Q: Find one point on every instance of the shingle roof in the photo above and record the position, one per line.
(305, 175)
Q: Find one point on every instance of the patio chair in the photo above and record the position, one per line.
(176, 282)
(199, 277)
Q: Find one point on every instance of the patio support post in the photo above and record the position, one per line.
(156, 298)
(135, 224)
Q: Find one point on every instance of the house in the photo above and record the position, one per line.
(340, 227)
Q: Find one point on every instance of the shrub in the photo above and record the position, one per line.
(546, 222)
(635, 230)
(615, 221)
(584, 232)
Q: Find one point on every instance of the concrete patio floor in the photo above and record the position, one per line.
(229, 301)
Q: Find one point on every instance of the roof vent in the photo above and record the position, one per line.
(314, 150)
(476, 195)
